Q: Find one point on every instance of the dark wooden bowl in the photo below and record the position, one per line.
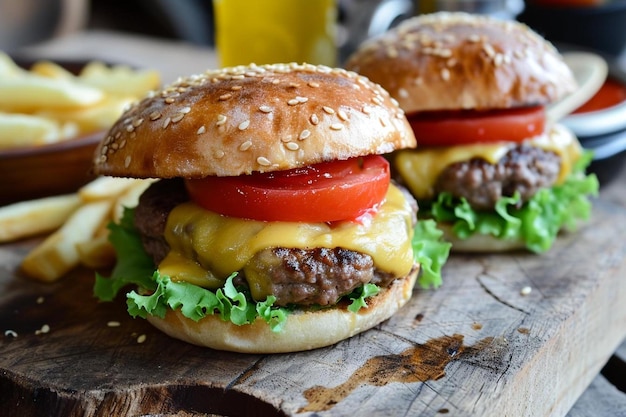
(39, 171)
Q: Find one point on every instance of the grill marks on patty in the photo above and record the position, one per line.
(525, 169)
(314, 276)
(318, 276)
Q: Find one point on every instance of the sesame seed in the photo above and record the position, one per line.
(293, 102)
(137, 122)
(383, 122)
(127, 161)
(489, 50)
(226, 96)
(302, 99)
(141, 338)
(178, 117)
(219, 154)
(169, 100)
(292, 146)
(342, 115)
(403, 93)
(221, 119)
(304, 134)
(366, 110)
(185, 110)
(336, 126)
(113, 323)
(129, 128)
(201, 130)
(245, 146)
(314, 119)
(265, 109)
(313, 84)
(526, 290)
(236, 88)
(44, 329)
(328, 110)
(244, 125)
(261, 160)
(166, 122)
(445, 74)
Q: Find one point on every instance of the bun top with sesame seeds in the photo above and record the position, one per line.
(455, 60)
(246, 119)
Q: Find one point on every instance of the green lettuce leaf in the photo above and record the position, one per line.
(537, 223)
(359, 295)
(430, 251)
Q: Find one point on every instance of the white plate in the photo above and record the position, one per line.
(590, 71)
(600, 122)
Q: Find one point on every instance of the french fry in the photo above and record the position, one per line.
(58, 253)
(89, 119)
(27, 130)
(8, 67)
(31, 93)
(51, 70)
(129, 198)
(105, 188)
(119, 79)
(35, 217)
(97, 252)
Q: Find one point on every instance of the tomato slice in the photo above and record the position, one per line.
(464, 127)
(325, 192)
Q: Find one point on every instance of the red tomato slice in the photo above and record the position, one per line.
(325, 192)
(464, 127)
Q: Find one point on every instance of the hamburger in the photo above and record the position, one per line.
(272, 224)
(491, 168)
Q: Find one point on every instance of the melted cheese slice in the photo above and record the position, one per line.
(207, 247)
(421, 168)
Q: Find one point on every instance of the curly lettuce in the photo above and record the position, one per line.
(536, 223)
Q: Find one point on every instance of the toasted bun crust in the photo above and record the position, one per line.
(449, 61)
(303, 331)
(253, 118)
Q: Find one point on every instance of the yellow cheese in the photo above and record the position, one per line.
(420, 168)
(207, 247)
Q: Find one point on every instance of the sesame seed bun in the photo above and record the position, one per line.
(303, 330)
(255, 118)
(452, 61)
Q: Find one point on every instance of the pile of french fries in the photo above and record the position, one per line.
(76, 223)
(47, 103)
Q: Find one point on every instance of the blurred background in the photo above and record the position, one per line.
(114, 30)
(596, 24)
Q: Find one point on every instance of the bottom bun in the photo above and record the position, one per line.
(303, 330)
(479, 243)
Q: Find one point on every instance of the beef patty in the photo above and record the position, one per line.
(318, 276)
(524, 169)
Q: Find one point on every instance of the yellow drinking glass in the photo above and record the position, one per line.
(275, 31)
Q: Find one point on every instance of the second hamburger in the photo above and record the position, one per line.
(490, 168)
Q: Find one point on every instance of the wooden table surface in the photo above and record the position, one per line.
(474, 347)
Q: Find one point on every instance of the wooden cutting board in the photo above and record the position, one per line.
(475, 347)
